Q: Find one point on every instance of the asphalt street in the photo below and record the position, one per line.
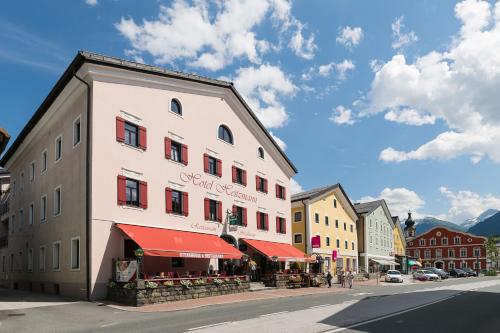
(460, 305)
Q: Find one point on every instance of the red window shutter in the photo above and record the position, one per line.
(168, 200)
(233, 169)
(284, 192)
(266, 221)
(205, 162)
(184, 154)
(277, 188)
(120, 129)
(265, 185)
(244, 217)
(235, 209)
(207, 209)
(143, 194)
(142, 138)
(185, 204)
(168, 148)
(257, 180)
(219, 168)
(284, 226)
(244, 174)
(258, 220)
(277, 224)
(219, 211)
(122, 195)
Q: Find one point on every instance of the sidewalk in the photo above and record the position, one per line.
(235, 298)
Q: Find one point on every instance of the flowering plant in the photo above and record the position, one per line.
(168, 283)
(238, 281)
(218, 282)
(199, 282)
(112, 284)
(186, 284)
(129, 285)
(151, 285)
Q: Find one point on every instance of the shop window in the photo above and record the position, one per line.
(225, 134)
(175, 106)
(239, 176)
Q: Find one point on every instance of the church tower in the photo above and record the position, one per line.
(409, 228)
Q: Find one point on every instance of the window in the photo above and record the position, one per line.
(43, 208)
(280, 192)
(345, 226)
(280, 225)
(338, 243)
(463, 264)
(213, 210)
(239, 176)
(261, 184)
(56, 256)
(175, 151)
(75, 253)
(175, 107)
(240, 213)
(260, 152)
(451, 253)
(177, 202)
(477, 265)
(58, 148)
(297, 238)
(76, 132)
(439, 253)
(316, 217)
(30, 260)
(421, 242)
(337, 224)
(427, 254)
(327, 223)
(20, 268)
(132, 192)
(417, 253)
(352, 228)
(131, 135)
(178, 262)
(31, 212)
(43, 166)
(12, 262)
(457, 240)
(12, 223)
(428, 265)
(477, 252)
(212, 165)
(346, 245)
(4, 264)
(262, 221)
(451, 265)
(334, 203)
(57, 201)
(297, 216)
(463, 252)
(327, 241)
(225, 134)
(21, 217)
(432, 241)
(444, 241)
(352, 246)
(32, 171)
(41, 259)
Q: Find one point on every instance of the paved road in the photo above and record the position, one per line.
(461, 305)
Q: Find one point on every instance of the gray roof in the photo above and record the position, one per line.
(395, 219)
(313, 193)
(367, 207)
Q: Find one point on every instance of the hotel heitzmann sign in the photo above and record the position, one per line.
(227, 189)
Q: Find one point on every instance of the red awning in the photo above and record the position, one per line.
(183, 244)
(284, 252)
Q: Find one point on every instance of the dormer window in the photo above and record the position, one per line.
(175, 107)
(260, 152)
(225, 134)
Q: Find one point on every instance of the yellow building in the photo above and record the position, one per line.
(326, 215)
(399, 239)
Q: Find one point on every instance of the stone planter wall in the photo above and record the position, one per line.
(138, 297)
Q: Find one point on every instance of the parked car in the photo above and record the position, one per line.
(439, 272)
(469, 271)
(393, 276)
(456, 272)
(425, 275)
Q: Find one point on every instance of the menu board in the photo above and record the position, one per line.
(125, 270)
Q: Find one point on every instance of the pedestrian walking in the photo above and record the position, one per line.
(342, 279)
(350, 278)
(329, 279)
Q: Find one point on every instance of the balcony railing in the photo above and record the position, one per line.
(5, 202)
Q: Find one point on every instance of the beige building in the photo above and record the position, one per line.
(120, 155)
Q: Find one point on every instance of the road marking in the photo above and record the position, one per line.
(319, 306)
(109, 324)
(340, 329)
(273, 314)
(207, 326)
(360, 294)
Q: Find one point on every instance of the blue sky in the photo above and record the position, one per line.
(393, 99)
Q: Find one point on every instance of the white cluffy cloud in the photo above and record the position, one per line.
(211, 34)
(399, 200)
(295, 187)
(263, 88)
(458, 85)
(467, 204)
(340, 68)
(280, 142)
(400, 39)
(350, 37)
(409, 117)
(91, 3)
(342, 116)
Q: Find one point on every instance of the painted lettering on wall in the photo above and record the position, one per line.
(228, 189)
(203, 227)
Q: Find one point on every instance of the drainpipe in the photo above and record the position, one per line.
(87, 185)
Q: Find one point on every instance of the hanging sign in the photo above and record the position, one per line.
(316, 242)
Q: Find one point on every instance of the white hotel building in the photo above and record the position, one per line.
(123, 155)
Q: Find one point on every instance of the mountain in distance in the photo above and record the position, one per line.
(427, 223)
(488, 227)
(469, 223)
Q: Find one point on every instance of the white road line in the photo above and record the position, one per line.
(360, 294)
(109, 324)
(340, 329)
(273, 314)
(207, 326)
(319, 306)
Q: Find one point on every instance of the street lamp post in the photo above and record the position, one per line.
(477, 266)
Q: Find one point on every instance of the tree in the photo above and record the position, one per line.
(491, 251)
